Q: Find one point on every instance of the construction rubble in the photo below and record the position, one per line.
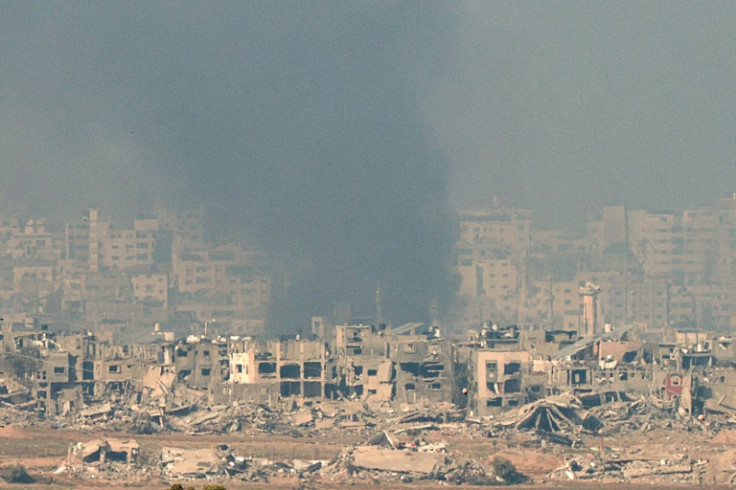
(382, 405)
(414, 443)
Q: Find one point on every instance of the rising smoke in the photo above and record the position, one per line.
(294, 124)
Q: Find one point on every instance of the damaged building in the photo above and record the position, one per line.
(498, 369)
(425, 366)
(406, 364)
(279, 368)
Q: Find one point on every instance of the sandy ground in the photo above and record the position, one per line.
(43, 450)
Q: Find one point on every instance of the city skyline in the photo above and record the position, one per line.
(340, 137)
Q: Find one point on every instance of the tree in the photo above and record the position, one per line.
(25, 362)
(505, 469)
(16, 474)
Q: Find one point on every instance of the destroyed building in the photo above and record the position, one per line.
(279, 368)
(500, 372)
(407, 364)
(424, 368)
(362, 351)
(496, 369)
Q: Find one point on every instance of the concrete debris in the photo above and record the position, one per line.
(411, 447)
(302, 418)
(178, 463)
(96, 411)
(101, 450)
(402, 407)
(382, 459)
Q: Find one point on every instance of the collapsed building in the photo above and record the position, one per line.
(279, 368)
(406, 364)
(403, 364)
(495, 369)
(500, 371)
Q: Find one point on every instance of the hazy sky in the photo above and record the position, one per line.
(565, 106)
(339, 134)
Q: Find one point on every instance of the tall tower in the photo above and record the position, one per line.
(379, 305)
(434, 312)
(94, 241)
(590, 294)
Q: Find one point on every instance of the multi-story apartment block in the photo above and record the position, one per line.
(33, 241)
(490, 277)
(567, 304)
(509, 229)
(489, 259)
(186, 227)
(223, 283)
(123, 248)
(151, 287)
(99, 244)
(285, 368)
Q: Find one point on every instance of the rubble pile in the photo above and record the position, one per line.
(556, 419)
(405, 463)
(395, 405)
(405, 444)
(637, 468)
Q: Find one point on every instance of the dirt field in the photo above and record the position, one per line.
(42, 450)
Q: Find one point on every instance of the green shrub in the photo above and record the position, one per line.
(505, 469)
(16, 474)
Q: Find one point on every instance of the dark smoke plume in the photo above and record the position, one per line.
(328, 165)
(295, 124)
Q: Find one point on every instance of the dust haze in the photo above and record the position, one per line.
(340, 137)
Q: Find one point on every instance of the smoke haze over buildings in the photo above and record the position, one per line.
(294, 124)
(338, 136)
(563, 107)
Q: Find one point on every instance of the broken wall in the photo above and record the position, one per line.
(424, 369)
(500, 380)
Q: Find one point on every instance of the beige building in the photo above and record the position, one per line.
(125, 248)
(222, 283)
(490, 278)
(151, 287)
(497, 228)
(500, 379)
(567, 304)
(279, 369)
(33, 241)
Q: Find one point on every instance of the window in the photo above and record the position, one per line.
(290, 371)
(206, 371)
(113, 368)
(494, 402)
(312, 370)
(59, 370)
(410, 367)
(409, 348)
(512, 368)
(267, 368)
